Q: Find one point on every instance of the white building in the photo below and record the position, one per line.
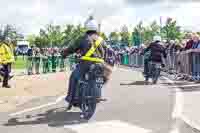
(22, 46)
(22, 43)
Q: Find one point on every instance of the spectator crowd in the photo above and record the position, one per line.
(183, 58)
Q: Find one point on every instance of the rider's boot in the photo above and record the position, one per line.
(146, 80)
(69, 106)
(69, 100)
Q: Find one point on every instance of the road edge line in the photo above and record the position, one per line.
(59, 99)
(181, 115)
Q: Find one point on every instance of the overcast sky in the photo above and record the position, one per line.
(30, 15)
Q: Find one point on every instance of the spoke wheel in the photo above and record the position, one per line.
(88, 109)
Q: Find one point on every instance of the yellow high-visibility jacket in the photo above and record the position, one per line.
(6, 54)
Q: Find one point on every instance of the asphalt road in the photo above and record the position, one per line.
(132, 106)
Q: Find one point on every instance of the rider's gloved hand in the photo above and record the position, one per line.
(163, 65)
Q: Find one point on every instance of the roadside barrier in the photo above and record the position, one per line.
(185, 64)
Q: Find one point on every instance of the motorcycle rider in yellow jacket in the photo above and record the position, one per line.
(91, 49)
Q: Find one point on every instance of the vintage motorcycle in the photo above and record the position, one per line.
(88, 91)
(154, 72)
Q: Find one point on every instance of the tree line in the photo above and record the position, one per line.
(144, 34)
(9, 33)
(55, 35)
(62, 36)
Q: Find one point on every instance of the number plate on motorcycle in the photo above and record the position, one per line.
(99, 80)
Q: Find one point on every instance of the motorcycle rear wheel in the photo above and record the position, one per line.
(156, 76)
(155, 80)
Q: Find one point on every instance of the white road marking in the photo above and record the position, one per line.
(59, 99)
(178, 109)
(114, 126)
(175, 130)
(190, 122)
(123, 69)
(45, 105)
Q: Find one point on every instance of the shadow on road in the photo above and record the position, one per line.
(135, 83)
(54, 118)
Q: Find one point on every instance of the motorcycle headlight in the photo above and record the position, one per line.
(92, 67)
(86, 76)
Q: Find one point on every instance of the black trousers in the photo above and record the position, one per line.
(146, 67)
(2, 73)
(6, 72)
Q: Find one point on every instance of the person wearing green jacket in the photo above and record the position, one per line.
(37, 61)
(62, 63)
(57, 58)
(49, 60)
(30, 61)
(53, 61)
(45, 61)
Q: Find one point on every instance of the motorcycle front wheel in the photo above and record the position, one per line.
(88, 109)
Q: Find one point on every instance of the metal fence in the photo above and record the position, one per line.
(132, 60)
(185, 64)
(188, 64)
(136, 60)
(47, 65)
